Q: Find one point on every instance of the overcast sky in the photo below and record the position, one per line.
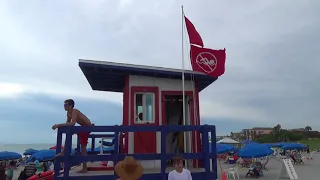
(271, 69)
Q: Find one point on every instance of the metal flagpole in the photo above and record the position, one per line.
(183, 93)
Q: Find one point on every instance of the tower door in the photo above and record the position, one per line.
(145, 113)
(172, 114)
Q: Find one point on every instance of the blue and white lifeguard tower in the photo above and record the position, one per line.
(152, 120)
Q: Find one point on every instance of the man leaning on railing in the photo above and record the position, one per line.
(75, 116)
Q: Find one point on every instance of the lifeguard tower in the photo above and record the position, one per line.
(152, 98)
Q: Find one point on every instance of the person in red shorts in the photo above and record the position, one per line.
(75, 116)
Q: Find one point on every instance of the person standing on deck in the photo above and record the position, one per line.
(75, 116)
(179, 172)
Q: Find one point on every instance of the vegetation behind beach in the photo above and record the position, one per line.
(307, 137)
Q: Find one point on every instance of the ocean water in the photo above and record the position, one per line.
(20, 148)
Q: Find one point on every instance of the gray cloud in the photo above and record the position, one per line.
(271, 46)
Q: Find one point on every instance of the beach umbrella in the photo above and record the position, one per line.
(296, 146)
(255, 151)
(220, 149)
(268, 144)
(43, 155)
(223, 148)
(279, 144)
(7, 155)
(230, 147)
(256, 144)
(247, 142)
(30, 152)
(29, 149)
(55, 147)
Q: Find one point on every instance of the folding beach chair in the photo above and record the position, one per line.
(298, 159)
(255, 172)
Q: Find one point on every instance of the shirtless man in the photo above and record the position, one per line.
(75, 116)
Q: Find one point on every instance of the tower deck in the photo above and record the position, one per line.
(152, 173)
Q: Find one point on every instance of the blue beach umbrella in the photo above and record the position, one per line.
(255, 151)
(280, 144)
(247, 142)
(30, 152)
(257, 144)
(292, 146)
(222, 148)
(268, 144)
(43, 155)
(7, 155)
(230, 147)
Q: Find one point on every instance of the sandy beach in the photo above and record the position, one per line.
(308, 171)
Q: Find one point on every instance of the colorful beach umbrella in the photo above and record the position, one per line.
(279, 144)
(268, 144)
(30, 152)
(43, 155)
(247, 142)
(222, 148)
(255, 151)
(292, 146)
(8, 155)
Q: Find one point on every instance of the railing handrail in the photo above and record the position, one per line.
(135, 128)
(117, 131)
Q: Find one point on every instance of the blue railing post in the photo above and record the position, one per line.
(78, 143)
(213, 149)
(93, 140)
(58, 150)
(67, 152)
(163, 152)
(116, 148)
(205, 150)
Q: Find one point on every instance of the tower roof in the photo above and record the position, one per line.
(110, 76)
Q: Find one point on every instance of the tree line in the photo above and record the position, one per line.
(284, 135)
(278, 134)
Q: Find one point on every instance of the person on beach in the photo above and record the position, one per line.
(308, 150)
(128, 169)
(179, 172)
(10, 169)
(75, 116)
(30, 169)
(3, 172)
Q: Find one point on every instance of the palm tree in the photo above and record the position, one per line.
(276, 129)
(279, 133)
(308, 128)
